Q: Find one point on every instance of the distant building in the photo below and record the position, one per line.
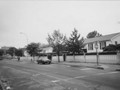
(101, 41)
(5, 48)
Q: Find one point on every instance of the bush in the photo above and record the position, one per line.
(112, 47)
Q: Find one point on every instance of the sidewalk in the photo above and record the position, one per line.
(93, 65)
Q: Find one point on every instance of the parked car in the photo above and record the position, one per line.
(43, 60)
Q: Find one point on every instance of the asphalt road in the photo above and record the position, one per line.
(31, 76)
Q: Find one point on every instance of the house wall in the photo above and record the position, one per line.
(90, 51)
(47, 50)
(117, 38)
(108, 42)
(94, 49)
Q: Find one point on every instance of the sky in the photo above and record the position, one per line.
(36, 19)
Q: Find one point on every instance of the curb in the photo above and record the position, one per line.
(96, 67)
(100, 68)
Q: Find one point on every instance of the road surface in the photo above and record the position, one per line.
(31, 76)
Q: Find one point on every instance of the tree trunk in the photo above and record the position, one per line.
(33, 58)
(85, 57)
(58, 53)
(74, 57)
(58, 58)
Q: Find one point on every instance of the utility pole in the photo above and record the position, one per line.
(97, 54)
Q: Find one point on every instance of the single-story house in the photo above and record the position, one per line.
(100, 42)
(47, 50)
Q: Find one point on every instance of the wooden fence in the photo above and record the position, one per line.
(110, 59)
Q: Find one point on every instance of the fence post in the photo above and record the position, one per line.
(118, 57)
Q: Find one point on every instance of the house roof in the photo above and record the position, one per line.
(101, 38)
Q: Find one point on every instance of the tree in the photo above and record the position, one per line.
(33, 49)
(93, 34)
(118, 47)
(56, 40)
(1, 52)
(19, 52)
(75, 44)
(112, 47)
(12, 51)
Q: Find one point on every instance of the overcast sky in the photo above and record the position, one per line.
(38, 18)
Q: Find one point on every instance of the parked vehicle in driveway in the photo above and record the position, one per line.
(43, 60)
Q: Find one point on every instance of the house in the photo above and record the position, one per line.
(47, 50)
(101, 42)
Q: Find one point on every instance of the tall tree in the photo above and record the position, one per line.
(33, 49)
(93, 34)
(19, 52)
(12, 51)
(57, 40)
(75, 44)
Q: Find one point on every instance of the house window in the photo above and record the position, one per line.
(115, 42)
(102, 44)
(90, 46)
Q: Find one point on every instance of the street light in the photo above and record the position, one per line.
(97, 54)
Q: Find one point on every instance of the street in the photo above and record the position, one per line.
(32, 76)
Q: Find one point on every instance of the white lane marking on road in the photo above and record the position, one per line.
(91, 75)
(112, 72)
(100, 73)
(55, 81)
(35, 75)
(46, 74)
(21, 71)
(107, 73)
(67, 66)
(85, 69)
(80, 77)
(74, 78)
